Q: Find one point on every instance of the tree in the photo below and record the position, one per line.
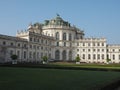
(45, 59)
(14, 57)
(77, 59)
(108, 60)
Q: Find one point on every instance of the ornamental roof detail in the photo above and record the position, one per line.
(57, 21)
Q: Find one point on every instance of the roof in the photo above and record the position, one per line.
(57, 21)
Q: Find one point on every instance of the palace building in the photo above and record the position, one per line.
(58, 40)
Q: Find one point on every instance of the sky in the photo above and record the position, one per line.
(98, 18)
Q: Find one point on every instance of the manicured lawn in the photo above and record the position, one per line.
(107, 66)
(14, 78)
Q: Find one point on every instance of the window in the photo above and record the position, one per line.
(89, 57)
(119, 57)
(70, 44)
(98, 44)
(83, 44)
(70, 37)
(57, 44)
(113, 50)
(46, 42)
(11, 44)
(77, 44)
(83, 50)
(57, 35)
(41, 55)
(98, 50)
(64, 36)
(37, 47)
(37, 54)
(102, 44)
(77, 49)
(41, 48)
(107, 50)
(102, 56)
(102, 50)
(64, 43)
(88, 50)
(18, 44)
(42, 41)
(107, 56)
(18, 54)
(30, 54)
(25, 45)
(31, 46)
(34, 40)
(83, 56)
(94, 56)
(88, 44)
(11, 52)
(98, 56)
(57, 54)
(94, 50)
(93, 44)
(4, 43)
(24, 54)
(113, 57)
(30, 39)
(34, 46)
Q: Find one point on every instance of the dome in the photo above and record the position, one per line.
(57, 21)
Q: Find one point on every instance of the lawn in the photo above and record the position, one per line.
(14, 78)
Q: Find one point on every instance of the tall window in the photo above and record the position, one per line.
(4, 43)
(98, 56)
(70, 37)
(57, 35)
(30, 54)
(94, 56)
(57, 55)
(18, 54)
(64, 36)
(64, 55)
(102, 56)
(70, 55)
(65, 44)
(24, 54)
(113, 57)
(57, 43)
(89, 57)
(83, 56)
(11, 52)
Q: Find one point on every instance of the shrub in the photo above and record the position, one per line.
(14, 57)
(77, 59)
(45, 58)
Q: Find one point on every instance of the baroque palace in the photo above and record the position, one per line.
(58, 40)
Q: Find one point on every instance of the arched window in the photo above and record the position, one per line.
(57, 55)
(57, 35)
(113, 57)
(89, 56)
(83, 56)
(64, 55)
(70, 55)
(70, 37)
(64, 36)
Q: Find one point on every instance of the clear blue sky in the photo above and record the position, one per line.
(98, 18)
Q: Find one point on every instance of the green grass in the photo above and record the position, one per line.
(53, 79)
(105, 66)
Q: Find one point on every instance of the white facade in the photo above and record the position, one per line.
(57, 40)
